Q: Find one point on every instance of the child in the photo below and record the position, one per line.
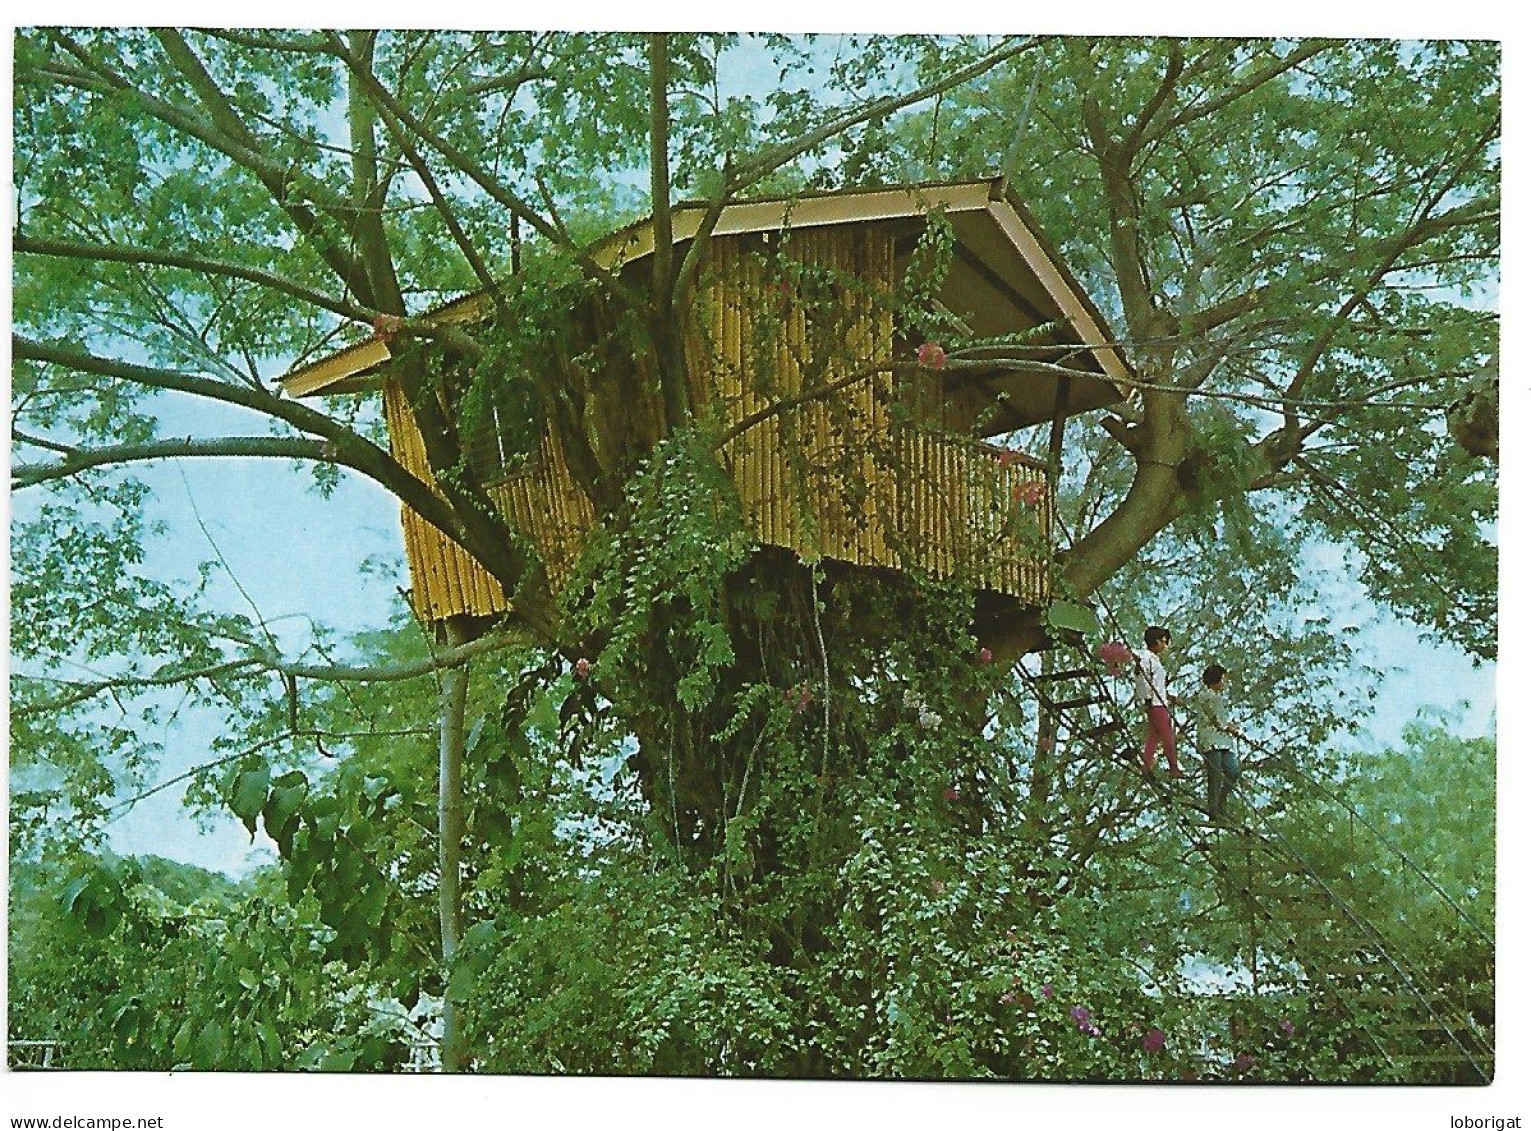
(1153, 692)
(1215, 735)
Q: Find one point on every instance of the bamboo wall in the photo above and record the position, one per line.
(543, 503)
(445, 581)
(847, 477)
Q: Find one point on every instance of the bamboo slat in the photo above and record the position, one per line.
(925, 501)
(445, 580)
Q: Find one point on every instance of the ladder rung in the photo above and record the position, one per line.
(1071, 704)
(1053, 677)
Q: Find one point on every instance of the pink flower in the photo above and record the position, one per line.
(1093, 1030)
(1047, 990)
(581, 667)
(1154, 1040)
(1006, 998)
(1031, 492)
(385, 326)
(953, 793)
(1286, 1027)
(1114, 654)
(985, 656)
(1080, 1014)
(932, 356)
(1243, 1062)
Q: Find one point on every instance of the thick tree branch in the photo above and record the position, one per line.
(354, 450)
(1174, 67)
(279, 447)
(248, 154)
(154, 257)
(659, 167)
(669, 350)
(480, 176)
(368, 190)
(300, 43)
(1275, 69)
(1123, 220)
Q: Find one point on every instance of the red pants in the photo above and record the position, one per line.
(1159, 730)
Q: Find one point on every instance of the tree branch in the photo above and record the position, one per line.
(480, 176)
(350, 448)
(128, 253)
(280, 447)
(1279, 67)
(1173, 69)
(765, 163)
(776, 408)
(1391, 251)
(367, 190)
(265, 661)
(438, 198)
(245, 150)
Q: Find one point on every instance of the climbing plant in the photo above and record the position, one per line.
(709, 808)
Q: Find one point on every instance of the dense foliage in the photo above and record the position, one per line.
(722, 810)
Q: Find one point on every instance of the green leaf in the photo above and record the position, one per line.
(211, 1042)
(73, 892)
(461, 984)
(248, 794)
(279, 814)
(270, 1044)
(370, 906)
(340, 1060)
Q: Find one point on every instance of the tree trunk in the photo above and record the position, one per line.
(449, 816)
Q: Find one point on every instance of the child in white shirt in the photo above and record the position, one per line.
(1153, 692)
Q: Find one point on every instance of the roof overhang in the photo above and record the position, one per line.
(997, 234)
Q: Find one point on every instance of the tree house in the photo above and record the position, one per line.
(843, 445)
